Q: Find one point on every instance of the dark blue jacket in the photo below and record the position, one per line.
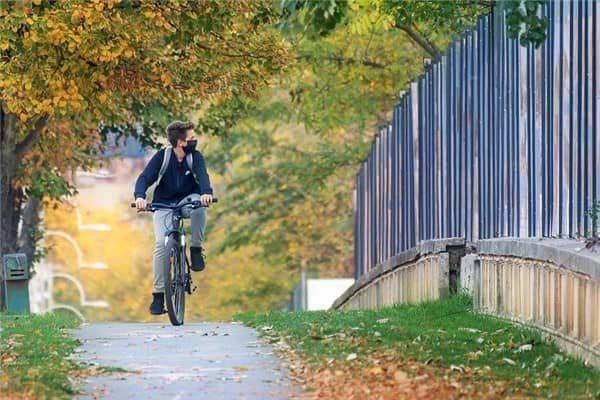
(177, 182)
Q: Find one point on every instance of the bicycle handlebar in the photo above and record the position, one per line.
(158, 206)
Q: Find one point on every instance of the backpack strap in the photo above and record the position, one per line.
(189, 159)
(165, 164)
(190, 162)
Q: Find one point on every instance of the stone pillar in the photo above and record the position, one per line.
(470, 278)
(444, 275)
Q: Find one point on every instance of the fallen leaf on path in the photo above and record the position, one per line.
(456, 368)
(525, 347)
(376, 370)
(472, 330)
(400, 376)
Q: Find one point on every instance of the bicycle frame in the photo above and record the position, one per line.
(178, 234)
(178, 276)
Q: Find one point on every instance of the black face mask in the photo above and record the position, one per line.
(190, 146)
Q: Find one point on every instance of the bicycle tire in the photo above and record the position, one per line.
(174, 283)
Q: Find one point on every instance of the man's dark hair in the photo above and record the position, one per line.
(177, 130)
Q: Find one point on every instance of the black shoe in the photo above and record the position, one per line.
(197, 258)
(157, 306)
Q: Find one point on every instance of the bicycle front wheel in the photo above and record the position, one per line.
(175, 282)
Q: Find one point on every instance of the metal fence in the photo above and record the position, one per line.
(493, 140)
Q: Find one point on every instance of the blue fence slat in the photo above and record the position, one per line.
(594, 96)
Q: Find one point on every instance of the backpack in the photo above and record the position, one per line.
(189, 159)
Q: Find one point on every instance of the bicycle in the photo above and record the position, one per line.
(178, 276)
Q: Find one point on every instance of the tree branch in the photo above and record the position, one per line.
(342, 60)
(295, 94)
(241, 53)
(428, 46)
(490, 3)
(26, 144)
(1, 123)
(483, 3)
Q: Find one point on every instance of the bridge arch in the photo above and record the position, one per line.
(83, 300)
(78, 252)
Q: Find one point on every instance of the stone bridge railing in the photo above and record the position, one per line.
(418, 274)
(550, 284)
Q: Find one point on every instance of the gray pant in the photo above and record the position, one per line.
(162, 224)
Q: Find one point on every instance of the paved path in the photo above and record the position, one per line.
(195, 361)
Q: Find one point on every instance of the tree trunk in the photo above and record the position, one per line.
(11, 197)
(9, 207)
(29, 237)
(2, 139)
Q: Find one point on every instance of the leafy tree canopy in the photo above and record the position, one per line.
(430, 24)
(69, 67)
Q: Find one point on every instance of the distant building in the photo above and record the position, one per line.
(317, 294)
(126, 147)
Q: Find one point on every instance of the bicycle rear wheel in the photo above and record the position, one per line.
(175, 283)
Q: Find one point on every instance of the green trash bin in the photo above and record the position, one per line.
(16, 283)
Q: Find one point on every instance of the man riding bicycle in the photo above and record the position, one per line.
(182, 177)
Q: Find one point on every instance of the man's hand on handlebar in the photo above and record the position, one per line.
(141, 203)
(206, 199)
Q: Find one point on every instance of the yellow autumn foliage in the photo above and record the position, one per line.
(126, 249)
(127, 283)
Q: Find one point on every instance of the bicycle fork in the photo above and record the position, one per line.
(189, 287)
(185, 268)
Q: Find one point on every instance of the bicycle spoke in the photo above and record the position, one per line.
(175, 285)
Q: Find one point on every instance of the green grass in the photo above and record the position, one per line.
(443, 334)
(33, 355)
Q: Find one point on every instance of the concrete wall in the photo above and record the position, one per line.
(550, 284)
(416, 275)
